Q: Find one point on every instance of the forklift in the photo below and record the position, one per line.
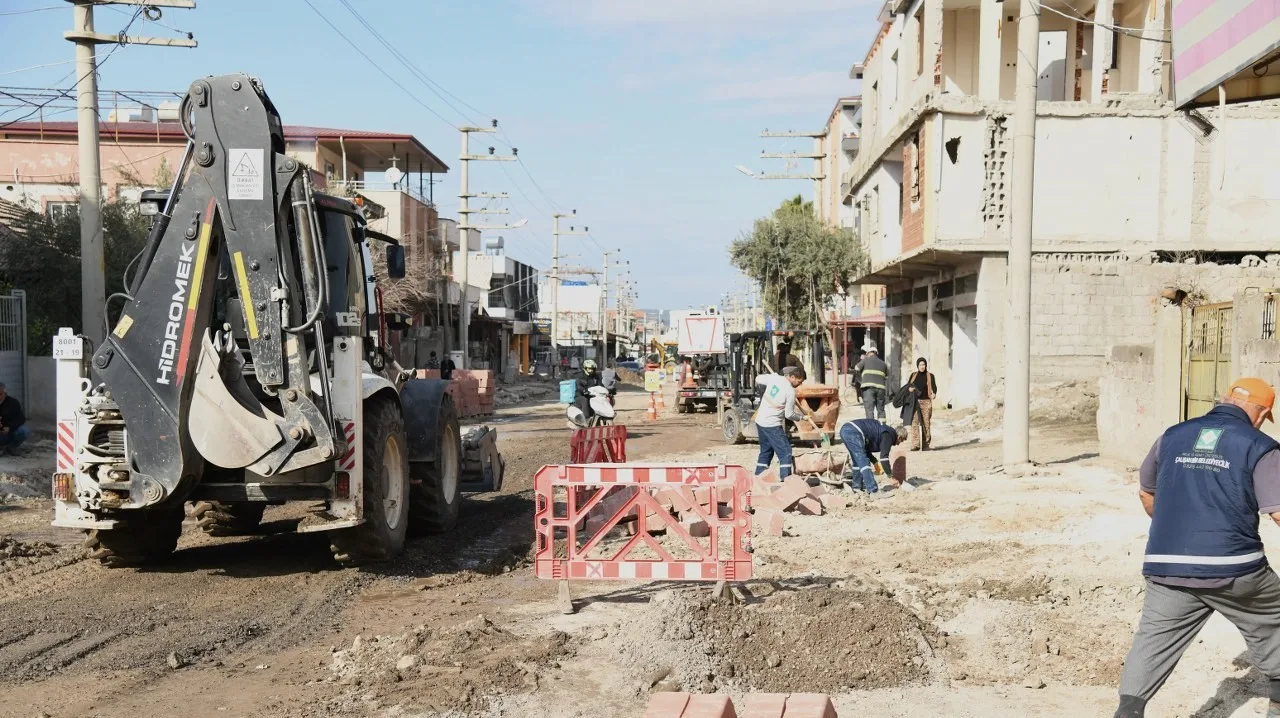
(754, 353)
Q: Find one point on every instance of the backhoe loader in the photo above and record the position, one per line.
(247, 366)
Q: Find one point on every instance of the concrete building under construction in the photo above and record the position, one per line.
(1122, 180)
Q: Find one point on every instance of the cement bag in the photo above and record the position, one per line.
(818, 462)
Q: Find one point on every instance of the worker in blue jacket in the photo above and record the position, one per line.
(864, 437)
(1204, 483)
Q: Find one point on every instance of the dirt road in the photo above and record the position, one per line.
(977, 594)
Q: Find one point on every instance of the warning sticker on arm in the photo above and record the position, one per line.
(244, 174)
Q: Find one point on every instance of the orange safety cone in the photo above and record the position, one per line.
(662, 404)
(651, 414)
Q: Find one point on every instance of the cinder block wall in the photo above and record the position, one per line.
(1083, 304)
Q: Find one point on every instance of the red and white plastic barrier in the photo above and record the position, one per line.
(716, 495)
(599, 444)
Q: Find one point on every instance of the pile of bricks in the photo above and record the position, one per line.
(486, 387)
(676, 505)
(756, 705)
(472, 390)
(770, 497)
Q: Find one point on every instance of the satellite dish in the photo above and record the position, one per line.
(394, 174)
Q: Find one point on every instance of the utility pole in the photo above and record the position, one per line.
(464, 225)
(555, 284)
(93, 285)
(1017, 379)
(604, 303)
(817, 176)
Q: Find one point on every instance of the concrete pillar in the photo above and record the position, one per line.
(1151, 54)
(891, 352)
(1167, 364)
(991, 302)
(932, 75)
(989, 41)
(1101, 53)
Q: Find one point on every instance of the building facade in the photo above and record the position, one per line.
(1120, 177)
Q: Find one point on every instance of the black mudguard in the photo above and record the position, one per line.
(420, 401)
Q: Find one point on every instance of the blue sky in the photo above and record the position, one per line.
(634, 113)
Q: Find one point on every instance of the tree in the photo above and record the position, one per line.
(41, 255)
(799, 263)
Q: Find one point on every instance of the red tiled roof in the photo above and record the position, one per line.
(173, 130)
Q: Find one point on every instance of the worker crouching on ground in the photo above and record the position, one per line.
(777, 407)
(1203, 484)
(864, 437)
(870, 374)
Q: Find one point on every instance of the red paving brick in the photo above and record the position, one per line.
(755, 705)
(809, 506)
(809, 705)
(793, 489)
(666, 705)
(764, 705)
(770, 521)
(696, 527)
(709, 706)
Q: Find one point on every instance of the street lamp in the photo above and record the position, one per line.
(744, 170)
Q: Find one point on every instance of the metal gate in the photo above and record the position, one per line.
(1208, 358)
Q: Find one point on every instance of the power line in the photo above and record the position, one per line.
(34, 9)
(36, 67)
(1134, 32)
(378, 67)
(66, 93)
(537, 186)
(426, 81)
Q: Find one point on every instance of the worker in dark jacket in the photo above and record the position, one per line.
(871, 375)
(13, 424)
(1203, 484)
(864, 437)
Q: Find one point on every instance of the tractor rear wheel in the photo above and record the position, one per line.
(144, 537)
(386, 490)
(435, 488)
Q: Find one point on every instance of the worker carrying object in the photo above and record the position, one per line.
(776, 408)
(864, 437)
(1203, 484)
(870, 374)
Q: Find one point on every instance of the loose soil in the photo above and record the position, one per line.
(973, 593)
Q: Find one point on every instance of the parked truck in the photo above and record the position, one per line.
(247, 366)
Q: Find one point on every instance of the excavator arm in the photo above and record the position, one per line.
(212, 357)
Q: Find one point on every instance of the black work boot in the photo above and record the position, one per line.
(1131, 707)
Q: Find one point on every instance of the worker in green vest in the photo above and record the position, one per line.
(870, 375)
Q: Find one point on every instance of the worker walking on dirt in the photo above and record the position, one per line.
(871, 373)
(864, 437)
(777, 407)
(1203, 484)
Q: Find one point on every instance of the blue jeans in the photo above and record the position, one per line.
(14, 438)
(864, 476)
(774, 440)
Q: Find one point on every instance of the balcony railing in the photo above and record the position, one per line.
(380, 186)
